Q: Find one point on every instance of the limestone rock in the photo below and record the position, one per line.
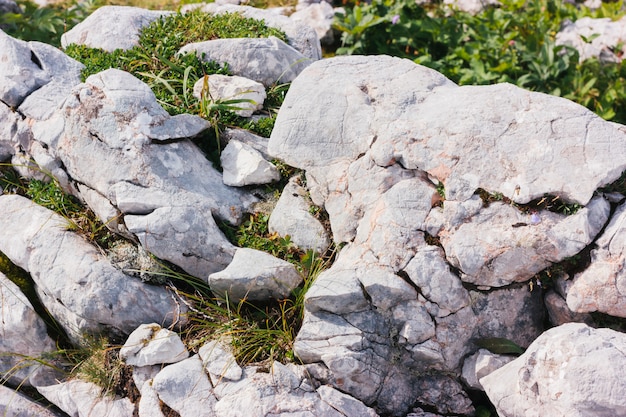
(602, 286)
(185, 388)
(265, 60)
(255, 276)
(292, 217)
(320, 17)
(15, 404)
(594, 38)
(471, 6)
(231, 87)
(343, 403)
(571, 370)
(74, 281)
(481, 364)
(150, 344)
(559, 313)
(24, 335)
(244, 165)
(111, 28)
(300, 36)
(219, 362)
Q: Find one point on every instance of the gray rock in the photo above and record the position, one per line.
(74, 281)
(223, 88)
(255, 276)
(445, 395)
(15, 404)
(9, 6)
(150, 344)
(300, 36)
(320, 17)
(219, 362)
(265, 60)
(602, 286)
(244, 165)
(571, 370)
(245, 136)
(185, 388)
(343, 403)
(559, 313)
(159, 184)
(79, 398)
(292, 217)
(111, 28)
(24, 335)
(501, 245)
(480, 364)
(9, 121)
(594, 38)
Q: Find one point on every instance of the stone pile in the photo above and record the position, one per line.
(432, 190)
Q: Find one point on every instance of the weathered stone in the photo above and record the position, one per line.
(320, 17)
(244, 165)
(255, 275)
(158, 184)
(265, 60)
(111, 28)
(15, 404)
(245, 136)
(471, 6)
(571, 370)
(150, 344)
(185, 388)
(300, 36)
(559, 313)
(480, 364)
(602, 286)
(225, 88)
(500, 245)
(74, 281)
(445, 395)
(9, 6)
(9, 121)
(79, 398)
(292, 217)
(219, 362)
(343, 403)
(24, 338)
(594, 38)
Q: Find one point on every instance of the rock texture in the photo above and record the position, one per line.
(570, 370)
(594, 38)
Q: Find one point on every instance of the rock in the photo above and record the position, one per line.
(559, 313)
(480, 364)
(157, 180)
(292, 217)
(24, 335)
(257, 142)
(397, 110)
(511, 248)
(445, 395)
(343, 403)
(266, 60)
(320, 17)
(149, 403)
(185, 388)
(571, 370)
(9, 6)
(219, 362)
(150, 344)
(594, 38)
(255, 276)
(79, 398)
(136, 261)
(244, 165)
(15, 404)
(222, 88)
(9, 122)
(300, 36)
(73, 280)
(111, 28)
(602, 286)
(471, 6)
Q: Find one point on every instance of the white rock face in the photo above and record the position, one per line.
(219, 362)
(244, 165)
(291, 217)
(74, 281)
(602, 286)
(266, 60)
(111, 28)
(320, 17)
(23, 334)
(15, 404)
(481, 364)
(570, 370)
(255, 276)
(231, 87)
(150, 344)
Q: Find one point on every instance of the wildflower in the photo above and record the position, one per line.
(511, 42)
(395, 19)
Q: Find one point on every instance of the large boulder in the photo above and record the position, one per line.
(74, 281)
(571, 370)
(401, 159)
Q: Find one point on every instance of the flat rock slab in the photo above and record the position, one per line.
(150, 344)
(572, 370)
